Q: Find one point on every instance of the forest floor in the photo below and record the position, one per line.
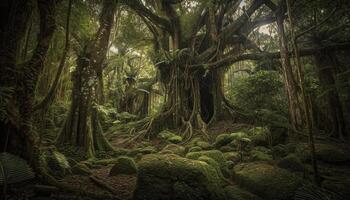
(333, 159)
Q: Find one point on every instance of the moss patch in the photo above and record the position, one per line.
(124, 165)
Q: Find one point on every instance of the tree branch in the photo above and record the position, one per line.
(141, 10)
(229, 60)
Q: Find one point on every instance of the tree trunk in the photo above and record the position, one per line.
(82, 127)
(290, 84)
(326, 73)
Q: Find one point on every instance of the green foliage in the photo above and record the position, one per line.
(260, 90)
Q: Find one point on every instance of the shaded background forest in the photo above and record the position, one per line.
(85, 82)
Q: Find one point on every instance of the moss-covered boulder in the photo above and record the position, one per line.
(260, 156)
(222, 140)
(236, 193)
(168, 177)
(81, 169)
(260, 136)
(267, 181)
(204, 145)
(227, 149)
(218, 156)
(124, 165)
(175, 139)
(194, 149)
(174, 148)
(291, 163)
(232, 156)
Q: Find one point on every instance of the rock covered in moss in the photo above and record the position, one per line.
(81, 169)
(204, 145)
(167, 177)
(232, 156)
(175, 149)
(291, 163)
(260, 136)
(267, 181)
(175, 139)
(123, 165)
(194, 149)
(222, 140)
(260, 156)
(236, 193)
(227, 149)
(218, 156)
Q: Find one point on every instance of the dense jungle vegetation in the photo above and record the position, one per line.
(175, 99)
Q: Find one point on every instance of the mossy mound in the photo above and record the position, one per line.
(267, 181)
(260, 156)
(166, 177)
(81, 169)
(174, 148)
(218, 156)
(232, 156)
(291, 163)
(170, 137)
(223, 139)
(194, 149)
(236, 193)
(123, 165)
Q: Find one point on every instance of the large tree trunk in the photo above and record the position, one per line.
(82, 127)
(326, 73)
(290, 84)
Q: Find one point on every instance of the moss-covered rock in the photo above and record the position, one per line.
(143, 151)
(175, 139)
(194, 149)
(165, 135)
(81, 169)
(260, 136)
(227, 149)
(167, 177)
(267, 181)
(218, 156)
(236, 193)
(204, 145)
(291, 163)
(222, 140)
(124, 165)
(232, 156)
(260, 156)
(174, 148)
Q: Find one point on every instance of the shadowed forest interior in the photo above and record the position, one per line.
(175, 99)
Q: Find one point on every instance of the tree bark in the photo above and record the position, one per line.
(326, 67)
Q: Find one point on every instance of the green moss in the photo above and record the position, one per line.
(176, 149)
(222, 140)
(291, 163)
(267, 181)
(227, 149)
(204, 145)
(173, 177)
(81, 169)
(195, 149)
(165, 135)
(175, 139)
(232, 156)
(124, 165)
(260, 156)
(236, 193)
